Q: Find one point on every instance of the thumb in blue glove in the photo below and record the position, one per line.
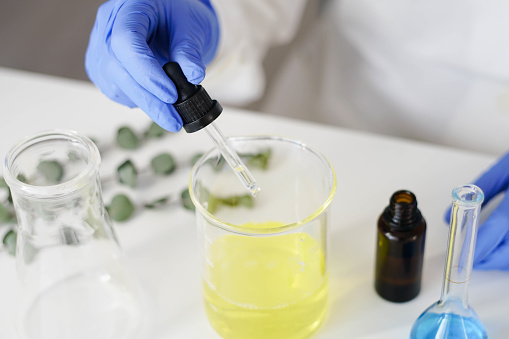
(492, 245)
(132, 39)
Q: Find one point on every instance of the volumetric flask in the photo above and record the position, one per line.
(73, 279)
(452, 316)
(265, 271)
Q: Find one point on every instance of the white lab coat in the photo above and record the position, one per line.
(432, 70)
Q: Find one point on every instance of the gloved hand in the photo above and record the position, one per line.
(492, 245)
(132, 39)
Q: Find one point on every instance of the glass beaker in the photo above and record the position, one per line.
(452, 316)
(264, 270)
(73, 280)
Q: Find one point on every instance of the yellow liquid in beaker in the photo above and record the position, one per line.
(266, 287)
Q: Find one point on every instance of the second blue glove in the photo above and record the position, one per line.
(492, 245)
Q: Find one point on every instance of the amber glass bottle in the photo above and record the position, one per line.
(400, 249)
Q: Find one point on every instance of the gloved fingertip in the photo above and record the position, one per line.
(167, 95)
(175, 125)
(447, 216)
(121, 98)
(169, 119)
(130, 104)
(172, 126)
(194, 73)
(479, 261)
(481, 267)
(491, 235)
(488, 264)
(196, 76)
(192, 66)
(497, 258)
(483, 262)
(163, 88)
(483, 246)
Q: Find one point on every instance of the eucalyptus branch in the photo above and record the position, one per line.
(121, 207)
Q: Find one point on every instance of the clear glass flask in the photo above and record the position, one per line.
(265, 263)
(73, 279)
(452, 316)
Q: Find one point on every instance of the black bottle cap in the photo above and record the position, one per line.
(194, 104)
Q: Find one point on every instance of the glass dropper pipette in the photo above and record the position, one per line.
(198, 111)
(232, 159)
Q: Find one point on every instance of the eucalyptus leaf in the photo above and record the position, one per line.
(52, 170)
(9, 196)
(21, 177)
(5, 214)
(73, 156)
(157, 203)
(237, 200)
(121, 208)
(195, 158)
(185, 198)
(127, 173)
(213, 203)
(259, 160)
(219, 164)
(9, 241)
(163, 164)
(3, 184)
(230, 201)
(154, 131)
(246, 200)
(29, 252)
(127, 139)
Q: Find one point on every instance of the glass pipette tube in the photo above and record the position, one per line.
(198, 111)
(452, 316)
(232, 159)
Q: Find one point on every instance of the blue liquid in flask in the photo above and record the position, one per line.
(447, 325)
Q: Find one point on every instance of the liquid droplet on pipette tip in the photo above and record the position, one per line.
(254, 189)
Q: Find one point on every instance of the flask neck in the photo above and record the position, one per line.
(464, 222)
(54, 180)
(51, 165)
(402, 212)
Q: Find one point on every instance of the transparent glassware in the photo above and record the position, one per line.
(73, 278)
(452, 316)
(264, 259)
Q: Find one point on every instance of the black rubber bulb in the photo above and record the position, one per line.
(193, 104)
(185, 89)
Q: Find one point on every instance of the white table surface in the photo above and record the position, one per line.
(161, 244)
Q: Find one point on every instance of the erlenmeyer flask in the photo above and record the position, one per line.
(452, 316)
(73, 279)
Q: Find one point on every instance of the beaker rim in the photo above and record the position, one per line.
(270, 230)
(62, 189)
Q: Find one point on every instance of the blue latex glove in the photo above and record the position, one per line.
(132, 39)
(492, 245)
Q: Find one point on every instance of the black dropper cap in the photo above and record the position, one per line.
(194, 104)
